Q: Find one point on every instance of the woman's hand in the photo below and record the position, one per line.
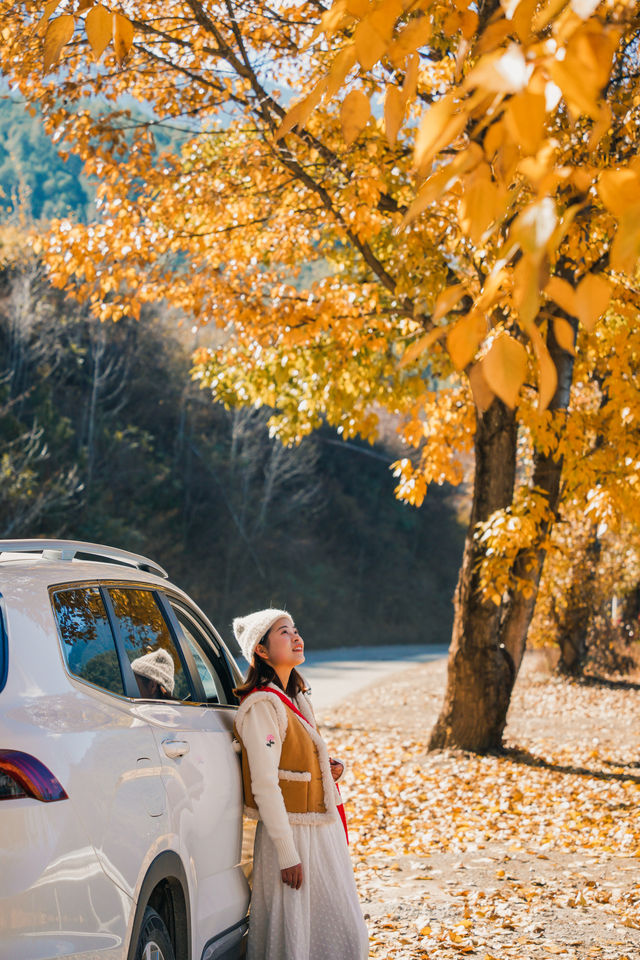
(292, 876)
(336, 768)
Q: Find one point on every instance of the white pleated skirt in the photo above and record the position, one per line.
(323, 919)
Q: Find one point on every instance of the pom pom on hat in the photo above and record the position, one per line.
(250, 630)
(157, 666)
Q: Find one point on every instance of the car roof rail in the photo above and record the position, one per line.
(68, 549)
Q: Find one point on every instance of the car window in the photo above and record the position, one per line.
(210, 665)
(87, 641)
(144, 631)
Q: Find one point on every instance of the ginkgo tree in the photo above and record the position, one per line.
(463, 176)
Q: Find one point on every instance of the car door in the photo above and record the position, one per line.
(115, 777)
(200, 768)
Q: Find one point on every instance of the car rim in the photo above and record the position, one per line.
(152, 952)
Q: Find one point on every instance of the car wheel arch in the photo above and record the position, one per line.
(166, 890)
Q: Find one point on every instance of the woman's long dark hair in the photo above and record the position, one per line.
(261, 673)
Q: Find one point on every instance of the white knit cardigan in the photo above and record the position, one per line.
(261, 721)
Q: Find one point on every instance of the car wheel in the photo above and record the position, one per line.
(154, 942)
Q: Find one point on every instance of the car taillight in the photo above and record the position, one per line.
(22, 775)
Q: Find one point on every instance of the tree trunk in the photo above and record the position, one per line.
(574, 624)
(488, 641)
(479, 673)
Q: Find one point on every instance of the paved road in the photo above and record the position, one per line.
(333, 675)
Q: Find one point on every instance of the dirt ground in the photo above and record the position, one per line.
(533, 854)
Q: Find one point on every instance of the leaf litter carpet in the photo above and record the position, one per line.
(531, 855)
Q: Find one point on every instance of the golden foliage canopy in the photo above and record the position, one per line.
(464, 175)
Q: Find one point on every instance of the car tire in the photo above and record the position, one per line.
(154, 942)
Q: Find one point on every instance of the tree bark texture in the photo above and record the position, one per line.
(479, 674)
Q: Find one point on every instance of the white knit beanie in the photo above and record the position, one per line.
(250, 630)
(156, 666)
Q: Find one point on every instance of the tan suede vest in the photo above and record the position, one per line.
(299, 773)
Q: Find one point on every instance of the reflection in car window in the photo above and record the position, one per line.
(211, 669)
(87, 640)
(144, 631)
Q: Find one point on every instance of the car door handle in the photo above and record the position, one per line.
(175, 748)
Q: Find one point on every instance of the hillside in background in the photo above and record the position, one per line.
(34, 175)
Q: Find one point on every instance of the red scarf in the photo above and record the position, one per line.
(293, 707)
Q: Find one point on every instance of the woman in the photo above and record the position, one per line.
(304, 903)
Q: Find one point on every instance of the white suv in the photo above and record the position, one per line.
(121, 834)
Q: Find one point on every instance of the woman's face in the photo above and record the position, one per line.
(285, 645)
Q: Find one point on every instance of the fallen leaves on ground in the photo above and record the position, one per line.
(532, 854)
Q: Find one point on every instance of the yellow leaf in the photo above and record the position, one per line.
(84, 5)
(538, 167)
(419, 346)
(564, 334)
(483, 395)
(534, 226)
(563, 294)
(339, 70)
(332, 18)
(524, 119)
(547, 13)
(522, 17)
(122, 37)
(493, 139)
(298, 114)
(619, 190)
(526, 288)
(393, 112)
(447, 300)
(582, 177)
(547, 373)
(49, 8)
(357, 8)
(625, 250)
(354, 115)
(372, 36)
(584, 70)
(370, 46)
(439, 127)
(463, 339)
(410, 81)
(99, 24)
(505, 367)
(590, 52)
(578, 95)
(481, 203)
(59, 32)
(601, 126)
(411, 38)
(592, 299)
(504, 71)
